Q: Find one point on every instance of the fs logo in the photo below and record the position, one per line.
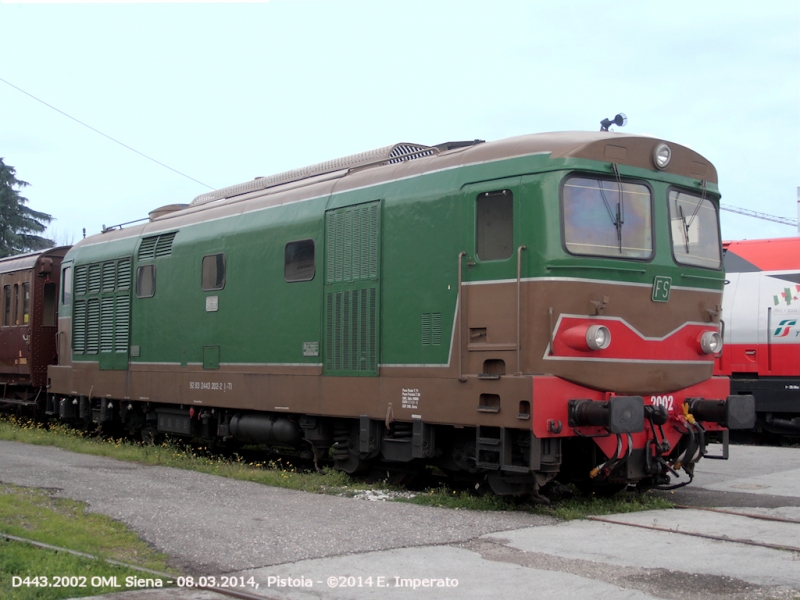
(661, 288)
(784, 327)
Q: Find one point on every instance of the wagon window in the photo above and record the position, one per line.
(15, 312)
(494, 232)
(146, 281)
(213, 276)
(607, 218)
(298, 264)
(7, 305)
(695, 230)
(49, 305)
(26, 303)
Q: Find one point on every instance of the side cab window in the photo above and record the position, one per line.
(494, 225)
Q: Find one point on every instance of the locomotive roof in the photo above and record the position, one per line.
(603, 146)
(405, 160)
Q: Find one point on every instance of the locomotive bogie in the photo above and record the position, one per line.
(441, 305)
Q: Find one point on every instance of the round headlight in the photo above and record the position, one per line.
(661, 156)
(598, 337)
(711, 342)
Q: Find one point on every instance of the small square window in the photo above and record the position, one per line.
(299, 261)
(213, 277)
(494, 237)
(146, 281)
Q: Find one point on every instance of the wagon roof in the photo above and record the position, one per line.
(21, 262)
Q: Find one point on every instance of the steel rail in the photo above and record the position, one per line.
(741, 514)
(707, 536)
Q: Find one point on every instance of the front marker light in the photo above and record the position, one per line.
(711, 342)
(598, 337)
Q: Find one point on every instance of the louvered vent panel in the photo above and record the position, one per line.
(372, 336)
(361, 354)
(95, 276)
(330, 338)
(349, 331)
(335, 351)
(109, 276)
(124, 274)
(107, 324)
(122, 324)
(436, 329)
(351, 340)
(164, 244)
(352, 243)
(92, 325)
(80, 281)
(373, 241)
(147, 249)
(411, 151)
(347, 246)
(352, 257)
(431, 329)
(335, 234)
(79, 326)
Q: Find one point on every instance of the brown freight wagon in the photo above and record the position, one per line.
(29, 285)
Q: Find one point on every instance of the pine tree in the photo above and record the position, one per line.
(19, 225)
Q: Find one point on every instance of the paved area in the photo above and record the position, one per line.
(289, 545)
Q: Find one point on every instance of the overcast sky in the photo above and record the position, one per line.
(225, 92)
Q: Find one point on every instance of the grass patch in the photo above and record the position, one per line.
(180, 455)
(282, 473)
(566, 508)
(31, 572)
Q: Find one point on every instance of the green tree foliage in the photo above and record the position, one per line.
(20, 226)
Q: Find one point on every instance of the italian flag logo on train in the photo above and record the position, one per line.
(787, 296)
(661, 286)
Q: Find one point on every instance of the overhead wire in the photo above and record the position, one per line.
(158, 162)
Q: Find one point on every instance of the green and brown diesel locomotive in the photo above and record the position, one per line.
(504, 311)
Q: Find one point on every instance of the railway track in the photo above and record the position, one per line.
(794, 523)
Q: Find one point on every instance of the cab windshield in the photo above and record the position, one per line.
(607, 218)
(695, 230)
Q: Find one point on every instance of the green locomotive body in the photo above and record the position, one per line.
(493, 308)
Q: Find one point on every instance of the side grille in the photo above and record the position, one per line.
(352, 244)
(102, 308)
(431, 329)
(156, 246)
(351, 335)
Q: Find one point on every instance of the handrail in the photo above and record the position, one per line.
(598, 268)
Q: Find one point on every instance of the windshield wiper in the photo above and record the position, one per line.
(696, 210)
(617, 219)
(685, 229)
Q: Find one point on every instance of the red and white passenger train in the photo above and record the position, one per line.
(761, 312)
